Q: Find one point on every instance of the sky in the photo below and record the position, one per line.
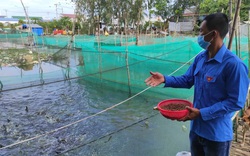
(48, 9)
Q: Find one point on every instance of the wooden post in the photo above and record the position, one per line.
(234, 24)
(239, 38)
(230, 16)
(138, 27)
(127, 59)
(248, 41)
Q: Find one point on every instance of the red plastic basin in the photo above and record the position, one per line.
(174, 114)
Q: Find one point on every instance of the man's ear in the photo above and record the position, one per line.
(216, 34)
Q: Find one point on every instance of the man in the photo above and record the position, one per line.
(220, 82)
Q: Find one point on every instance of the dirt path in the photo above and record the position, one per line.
(237, 148)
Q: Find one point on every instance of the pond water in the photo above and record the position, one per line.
(30, 112)
(131, 128)
(35, 74)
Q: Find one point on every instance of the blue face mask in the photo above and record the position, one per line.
(201, 41)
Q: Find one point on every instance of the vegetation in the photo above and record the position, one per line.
(18, 57)
(131, 13)
(123, 16)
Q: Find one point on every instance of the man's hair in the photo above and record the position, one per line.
(219, 22)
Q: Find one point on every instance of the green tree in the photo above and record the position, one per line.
(107, 14)
(35, 20)
(130, 12)
(150, 9)
(136, 15)
(213, 6)
(87, 8)
(20, 22)
(164, 9)
(244, 12)
(179, 6)
(1, 25)
(64, 23)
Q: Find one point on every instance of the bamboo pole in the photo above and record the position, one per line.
(99, 48)
(236, 43)
(230, 15)
(127, 62)
(248, 41)
(138, 28)
(234, 23)
(26, 14)
(239, 38)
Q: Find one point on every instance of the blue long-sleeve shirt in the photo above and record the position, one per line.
(220, 89)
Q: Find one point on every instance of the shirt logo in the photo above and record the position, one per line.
(209, 78)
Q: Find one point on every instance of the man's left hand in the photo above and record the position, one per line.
(193, 114)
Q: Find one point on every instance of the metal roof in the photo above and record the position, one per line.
(9, 19)
(33, 25)
(24, 17)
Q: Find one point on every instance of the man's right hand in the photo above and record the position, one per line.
(155, 79)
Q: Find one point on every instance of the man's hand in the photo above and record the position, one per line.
(155, 79)
(193, 114)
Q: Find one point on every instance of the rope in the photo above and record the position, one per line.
(109, 134)
(68, 125)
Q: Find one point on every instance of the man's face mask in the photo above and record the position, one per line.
(204, 44)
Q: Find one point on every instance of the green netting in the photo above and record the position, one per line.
(18, 40)
(106, 58)
(8, 36)
(129, 66)
(243, 50)
(106, 66)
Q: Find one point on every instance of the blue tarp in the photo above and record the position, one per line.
(36, 29)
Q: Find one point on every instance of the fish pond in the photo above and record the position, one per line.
(48, 114)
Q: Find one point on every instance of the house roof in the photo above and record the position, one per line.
(33, 25)
(190, 11)
(9, 19)
(24, 17)
(69, 15)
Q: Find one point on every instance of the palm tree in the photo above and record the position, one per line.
(137, 14)
(1, 25)
(20, 22)
(65, 23)
(35, 20)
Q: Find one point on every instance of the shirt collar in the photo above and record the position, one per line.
(219, 55)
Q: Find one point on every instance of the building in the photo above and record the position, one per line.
(35, 28)
(32, 19)
(7, 21)
(71, 16)
(189, 21)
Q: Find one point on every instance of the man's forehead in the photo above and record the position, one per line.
(203, 25)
